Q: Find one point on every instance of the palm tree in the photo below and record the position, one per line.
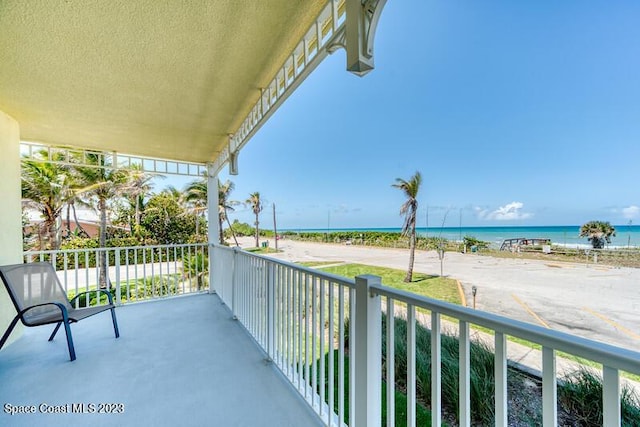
(409, 209)
(598, 232)
(173, 192)
(195, 196)
(101, 183)
(45, 187)
(256, 207)
(137, 186)
(72, 200)
(224, 205)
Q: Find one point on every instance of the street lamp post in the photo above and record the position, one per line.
(441, 253)
(474, 291)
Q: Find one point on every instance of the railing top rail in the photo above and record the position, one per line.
(313, 272)
(615, 357)
(62, 251)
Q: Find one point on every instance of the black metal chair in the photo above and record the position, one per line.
(40, 299)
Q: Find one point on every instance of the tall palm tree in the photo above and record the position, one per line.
(598, 232)
(71, 202)
(45, 187)
(173, 192)
(256, 206)
(195, 196)
(225, 205)
(101, 183)
(137, 186)
(409, 209)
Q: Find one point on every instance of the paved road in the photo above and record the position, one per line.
(596, 302)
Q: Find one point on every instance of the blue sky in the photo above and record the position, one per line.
(515, 113)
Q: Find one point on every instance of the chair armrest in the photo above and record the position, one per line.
(61, 306)
(95, 290)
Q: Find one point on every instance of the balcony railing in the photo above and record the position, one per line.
(332, 336)
(325, 334)
(133, 273)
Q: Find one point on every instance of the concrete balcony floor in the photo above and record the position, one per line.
(180, 361)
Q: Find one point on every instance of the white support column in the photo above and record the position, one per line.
(368, 353)
(214, 226)
(11, 212)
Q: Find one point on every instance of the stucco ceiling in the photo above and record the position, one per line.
(168, 79)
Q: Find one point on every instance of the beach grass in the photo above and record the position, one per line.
(442, 288)
(423, 415)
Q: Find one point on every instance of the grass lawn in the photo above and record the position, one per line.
(442, 288)
(261, 250)
(319, 263)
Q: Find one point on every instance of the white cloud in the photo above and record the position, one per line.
(509, 212)
(480, 212)
(631, 212)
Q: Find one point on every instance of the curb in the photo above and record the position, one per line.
(463, 299)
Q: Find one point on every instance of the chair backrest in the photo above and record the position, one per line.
(31, 284)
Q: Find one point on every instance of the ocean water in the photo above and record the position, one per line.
(566, 235)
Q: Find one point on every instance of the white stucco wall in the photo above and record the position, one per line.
(10, 213)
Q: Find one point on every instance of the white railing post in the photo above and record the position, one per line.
(436, 371)
(271, 310)
(611, 397)
(549, 388)
(500, 379)
(367, 353)
(465, 375)
(117, 266)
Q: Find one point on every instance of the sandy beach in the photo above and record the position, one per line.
(596, 302)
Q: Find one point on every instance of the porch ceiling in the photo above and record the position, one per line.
(161, 79)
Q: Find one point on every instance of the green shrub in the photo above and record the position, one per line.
(482, 370)
(581, 397)
(371, 238)
(196, 266)
(469, 241)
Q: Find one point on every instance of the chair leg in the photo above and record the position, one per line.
(55, 331)
(5, 336)
(72, 351)
(115, 322)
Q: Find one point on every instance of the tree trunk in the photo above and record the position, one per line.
(135, 230)
(221, 234)
(412, 253)
(68, 219)
(57, 231)
(257, 233)
(49, 234)
(233, 233)
(75, 219)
